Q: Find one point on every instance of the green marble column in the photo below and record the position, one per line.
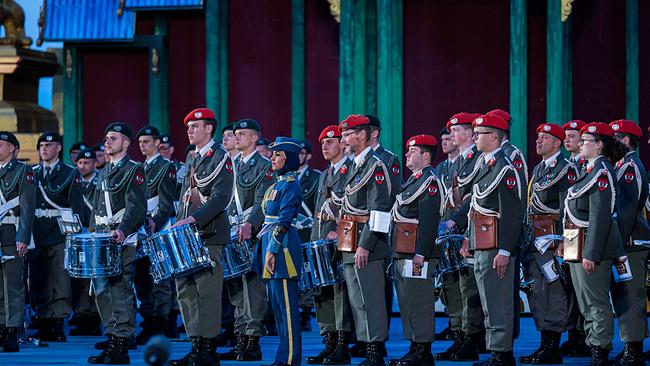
(298, 102)
(216, 59)
(632, 60)
(559, 86)
(159, 78)
(519, 73)
(72, 98)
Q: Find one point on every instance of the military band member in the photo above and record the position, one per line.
(628, 297)
(262, 147)
(100, 152)
(18, 200)
(364, 243)
(282, 249)
(247, 293)
(87, 318)
(575, 345)
(468, 343)
(548, 299)
(592, 239)
(155, 299)
(333, 312)
(494, 233)
(57, 187)
(416, 214)
(451, 295)
(228, 140)
(207, 189)
(75, 149)
(120, 206)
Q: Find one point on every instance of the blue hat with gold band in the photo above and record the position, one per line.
(287, 144)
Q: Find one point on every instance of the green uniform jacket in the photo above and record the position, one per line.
(549, 188)
(309, 187)
(467, 170)
(214, 176)
(495, 190)
(366, 190)
(161, 182)
(253, 179)
(420, 199)
(331, 189)
(17, 180)
(590, 203)
(125, 183)
(519, 162)
(394, 167)
(88, 189)
(631, 195)
(445, 172)
(62, 188)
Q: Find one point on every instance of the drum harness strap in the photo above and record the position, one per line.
(111, 219)
(6, 207)
(196, 182)
(536, 202)
(478, 194)
(573, 194)
(620, 171)
(468, 180)
(354, 188)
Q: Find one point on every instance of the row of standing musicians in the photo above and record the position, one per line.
(464, 186)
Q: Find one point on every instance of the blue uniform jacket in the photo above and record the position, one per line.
(280, 206)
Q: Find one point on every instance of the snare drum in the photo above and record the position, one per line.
(319, 269)
(450, 258)
(237, 259)
(92, 255)
(177, 252)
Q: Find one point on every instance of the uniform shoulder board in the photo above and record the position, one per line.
(290, 178)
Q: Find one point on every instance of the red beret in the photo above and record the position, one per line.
(575, 124)
(329, 132)
(491, 120)
(598, 128)
(461, 118)
(421, 140)
(199, 114)
(552, 129)
(352, 121)
(626, 126)
(501, 113)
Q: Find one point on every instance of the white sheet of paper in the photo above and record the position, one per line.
(380, 221)
(549, 270)
(543, 242)
(410, 273)
(622, 271)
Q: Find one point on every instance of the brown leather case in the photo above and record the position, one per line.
(406, 235)
(485, 231)
(545, 225)
(574, 242)
(347, 235)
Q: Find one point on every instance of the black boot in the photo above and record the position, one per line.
(632, 355)
(208, 355)
(253, 351)
(445, 335)
(44, 329)
(146, 332)
(374, 355)
(420, 356)
(575, 346)
(548, 351)
(409, 353)
(240, 345)
(87, 325)
(104, 344)
(171, 326)
(498, 359)
(341, 354)
(3, 334)
(56, 331)
(227, 337)
(359, 349)
(10, 343)
(192, 356)
(305, 319)
(117, 353)
(468, 351)
(330, 341)
(459, 337)
(599, 356)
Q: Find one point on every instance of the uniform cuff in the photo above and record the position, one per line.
(504, 252)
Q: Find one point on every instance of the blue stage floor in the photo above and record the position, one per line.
(77, 349)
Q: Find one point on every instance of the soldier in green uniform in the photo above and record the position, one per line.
(247, 293)
(308, 178)
(100, 152)
(362, 242)
(57, 188)
(548, 299)
(471, 340)
(592, 241)
(17, 204)
(416, 214)
(631, 195)
(494, 233)
(75, 149)
(575, 345)
(119, 206)
(166, 149)
(207, 189)
(333, 312)
(87, 318)
(155, 298)
(451, 295)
